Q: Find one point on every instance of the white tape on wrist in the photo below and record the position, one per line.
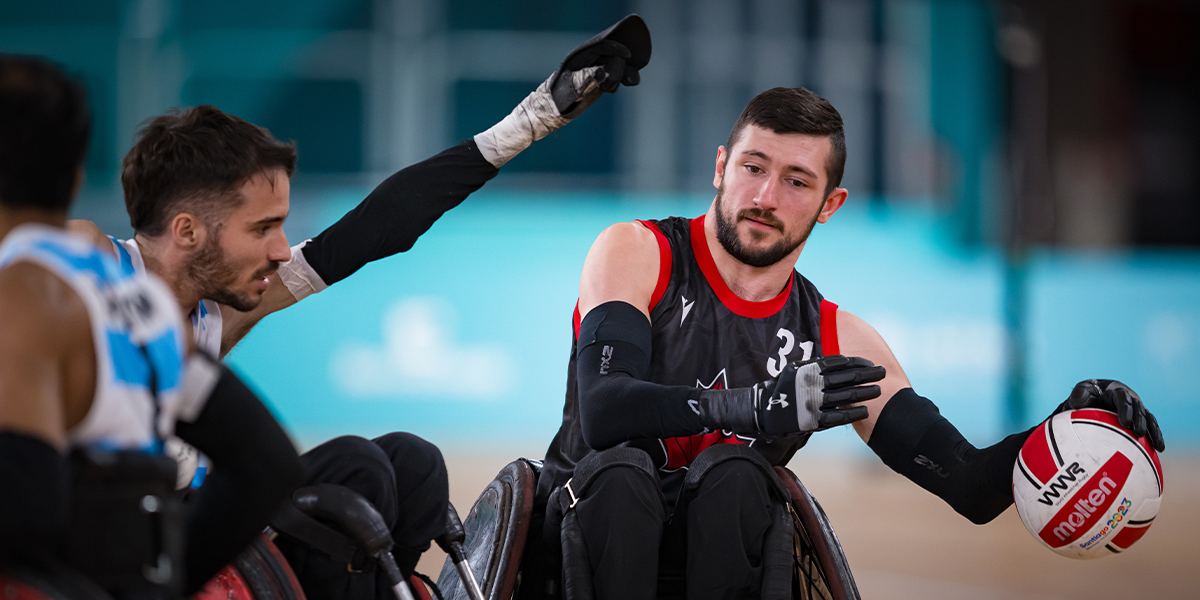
(299, 277)
(534, 118)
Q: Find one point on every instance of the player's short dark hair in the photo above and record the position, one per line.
(44, 125)
(797, 110)
(194, 161)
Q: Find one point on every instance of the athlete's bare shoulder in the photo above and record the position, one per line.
(857, 338)
(47, 359)
(622, 265)
(92, 232)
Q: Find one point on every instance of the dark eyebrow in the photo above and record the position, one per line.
(270, 220)
(796, 168)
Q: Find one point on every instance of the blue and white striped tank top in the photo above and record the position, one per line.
(138, 334)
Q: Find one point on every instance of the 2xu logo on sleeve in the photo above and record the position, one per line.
(1089, 505)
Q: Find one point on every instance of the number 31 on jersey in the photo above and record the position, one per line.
(775, 365)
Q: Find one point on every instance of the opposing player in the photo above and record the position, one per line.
(702, 358)
(207, 195)
(96, 359)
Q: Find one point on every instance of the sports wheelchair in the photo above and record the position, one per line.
(498, 529)
(331, 518)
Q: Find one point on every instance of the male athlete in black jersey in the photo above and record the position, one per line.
(702, 358)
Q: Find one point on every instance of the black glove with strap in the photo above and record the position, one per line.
(599, 65)
(611, 58)
(808, 396)
(1107, 394)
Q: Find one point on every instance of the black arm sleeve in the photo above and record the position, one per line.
(33, 500)
(398, 211)
(255, 468)
(915, 440)
(615, 404)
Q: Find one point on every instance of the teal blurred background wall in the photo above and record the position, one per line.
(984, 141)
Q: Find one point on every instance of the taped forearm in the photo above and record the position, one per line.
(915, 440)
(533, 119)
(255, 469)
(396, 213)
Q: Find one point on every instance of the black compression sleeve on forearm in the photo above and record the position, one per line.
(398, 211)
(915, 440)
(33, 498)
(255, 468)
(615, 404)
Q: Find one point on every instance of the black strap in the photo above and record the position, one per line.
(721, 453)
(598, 462)
(291, 522)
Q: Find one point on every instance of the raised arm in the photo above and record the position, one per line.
(408, 203)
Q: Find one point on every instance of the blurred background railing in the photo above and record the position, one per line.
(1025, 190)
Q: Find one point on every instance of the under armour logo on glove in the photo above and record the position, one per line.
(781, 401)
(821, 390)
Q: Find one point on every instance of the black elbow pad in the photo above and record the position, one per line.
(614, 338)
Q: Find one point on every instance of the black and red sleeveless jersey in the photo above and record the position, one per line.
(704, 335)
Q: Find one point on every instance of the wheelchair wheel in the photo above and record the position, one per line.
(821, 569)
(259, 573)
(496, 529)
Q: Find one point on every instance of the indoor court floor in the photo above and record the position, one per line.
(905, 544)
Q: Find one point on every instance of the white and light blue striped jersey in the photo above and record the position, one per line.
(138, 335)
(205, 317)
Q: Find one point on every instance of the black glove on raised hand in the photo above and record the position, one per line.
(599, 65)
(1117, 397)
(808, 396)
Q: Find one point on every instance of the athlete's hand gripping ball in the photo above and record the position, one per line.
(814, 395)
(1117, 397)
(601, 64)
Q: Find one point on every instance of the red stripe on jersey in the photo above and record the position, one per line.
(829, 336)
(1132, 533)
(680, 456)
(1037, 456)
(664, 263)
(740, 307)
(576, 320)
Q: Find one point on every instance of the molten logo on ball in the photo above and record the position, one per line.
(1088, 505)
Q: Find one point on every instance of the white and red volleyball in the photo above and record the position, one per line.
(1085, 486)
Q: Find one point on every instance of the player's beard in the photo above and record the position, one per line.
(727, 234)
(214, 277)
